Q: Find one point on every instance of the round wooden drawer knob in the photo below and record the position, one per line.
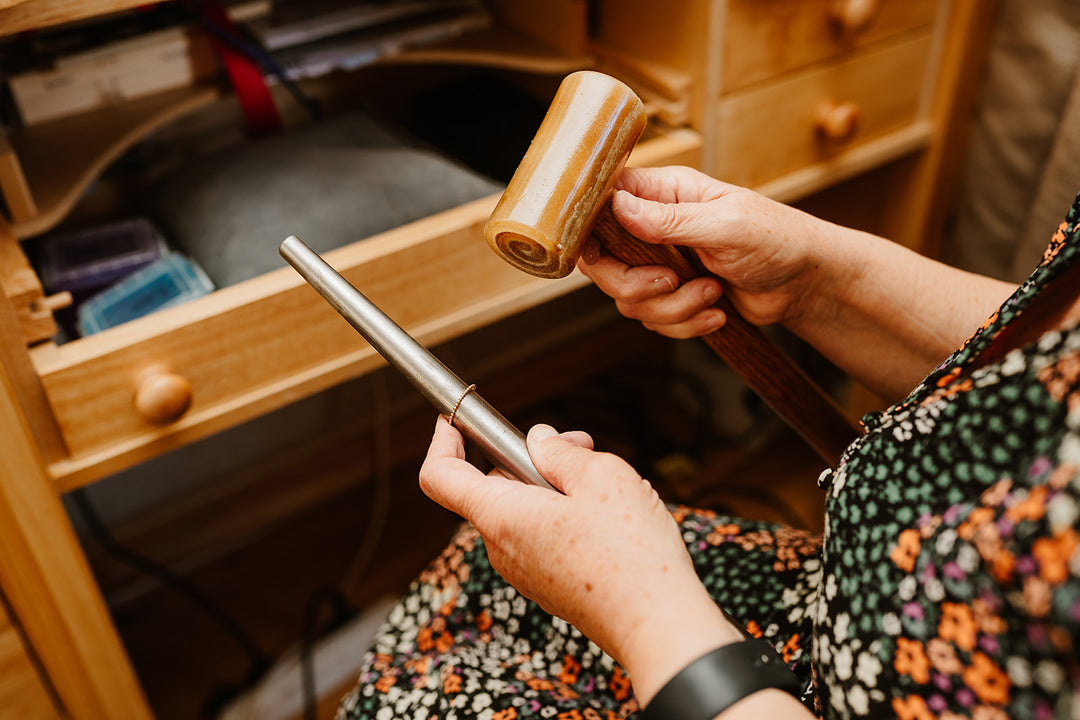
(853, 16)
(836, 121)
(162, 397)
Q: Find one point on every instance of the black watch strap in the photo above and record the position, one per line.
(719, 679)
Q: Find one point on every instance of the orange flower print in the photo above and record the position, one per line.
(1053, 555)
(987, 680)
(424, 643)
(507, 714)
(754, 629)
(721, 534)
(996, 493)
(958, 625)
(620, 684)
(976, 519)
(948, 377)
(986, 619)
(1060, 380)
(791, 647)
(911, 660)
(1002, 564)
(1037, 596)
(444, 642)
(570, 715)
(539, 684)
(1057, 241)
(985, 712)
(906, 550)
(943, 657)
(1032, 507)
(451, 683)
(419, 665)
(570, 670)
(913, 707)
(384, 683)
(1061, 476)
(483, 621)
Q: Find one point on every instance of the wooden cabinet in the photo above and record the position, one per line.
(788, 96)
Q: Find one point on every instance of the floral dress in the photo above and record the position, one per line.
(946, 585)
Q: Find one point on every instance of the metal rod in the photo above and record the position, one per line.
(503, 443)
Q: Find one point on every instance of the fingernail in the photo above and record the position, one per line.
(711, 293)
(667, 281)
(630, 203)
(541, 432)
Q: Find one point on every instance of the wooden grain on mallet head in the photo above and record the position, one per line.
(560, 195)
(566, 178)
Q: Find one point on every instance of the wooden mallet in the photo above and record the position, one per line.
(560, 194)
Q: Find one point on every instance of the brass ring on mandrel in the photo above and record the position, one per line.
(458, 403)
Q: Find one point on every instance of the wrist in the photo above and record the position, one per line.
(669, 641)
(743, 680)
(836, 268)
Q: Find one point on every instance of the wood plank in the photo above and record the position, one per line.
(15, 361)
(62, 158)
(19, 15)
(501, 48)
(13, 186)
(46, 578)
(23, 693)
(766, 38)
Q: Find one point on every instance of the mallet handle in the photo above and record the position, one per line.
(766, 369)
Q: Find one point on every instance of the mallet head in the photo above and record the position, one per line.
(567, 175)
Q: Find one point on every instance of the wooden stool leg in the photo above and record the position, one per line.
(45, 576)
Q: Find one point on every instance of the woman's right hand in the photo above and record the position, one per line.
(767, 254)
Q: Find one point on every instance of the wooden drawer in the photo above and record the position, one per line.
(770, 130)
(765, 38)
(22, 693)
(258, 345)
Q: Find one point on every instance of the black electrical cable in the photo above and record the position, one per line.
(260, 661)
(311, 631)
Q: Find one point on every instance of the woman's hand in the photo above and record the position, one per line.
(766, 252)
(877, 310)
(605, 555)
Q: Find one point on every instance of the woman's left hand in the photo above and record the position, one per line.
(605, 554)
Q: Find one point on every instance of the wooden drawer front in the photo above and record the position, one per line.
(771, 130)
(764, 38)
(235, 346)
(22, 694)
(258, 345)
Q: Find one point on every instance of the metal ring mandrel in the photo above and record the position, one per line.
(500, 441)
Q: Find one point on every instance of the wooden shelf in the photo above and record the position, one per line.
(20, 15)
(62, 158)
(501, 48)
